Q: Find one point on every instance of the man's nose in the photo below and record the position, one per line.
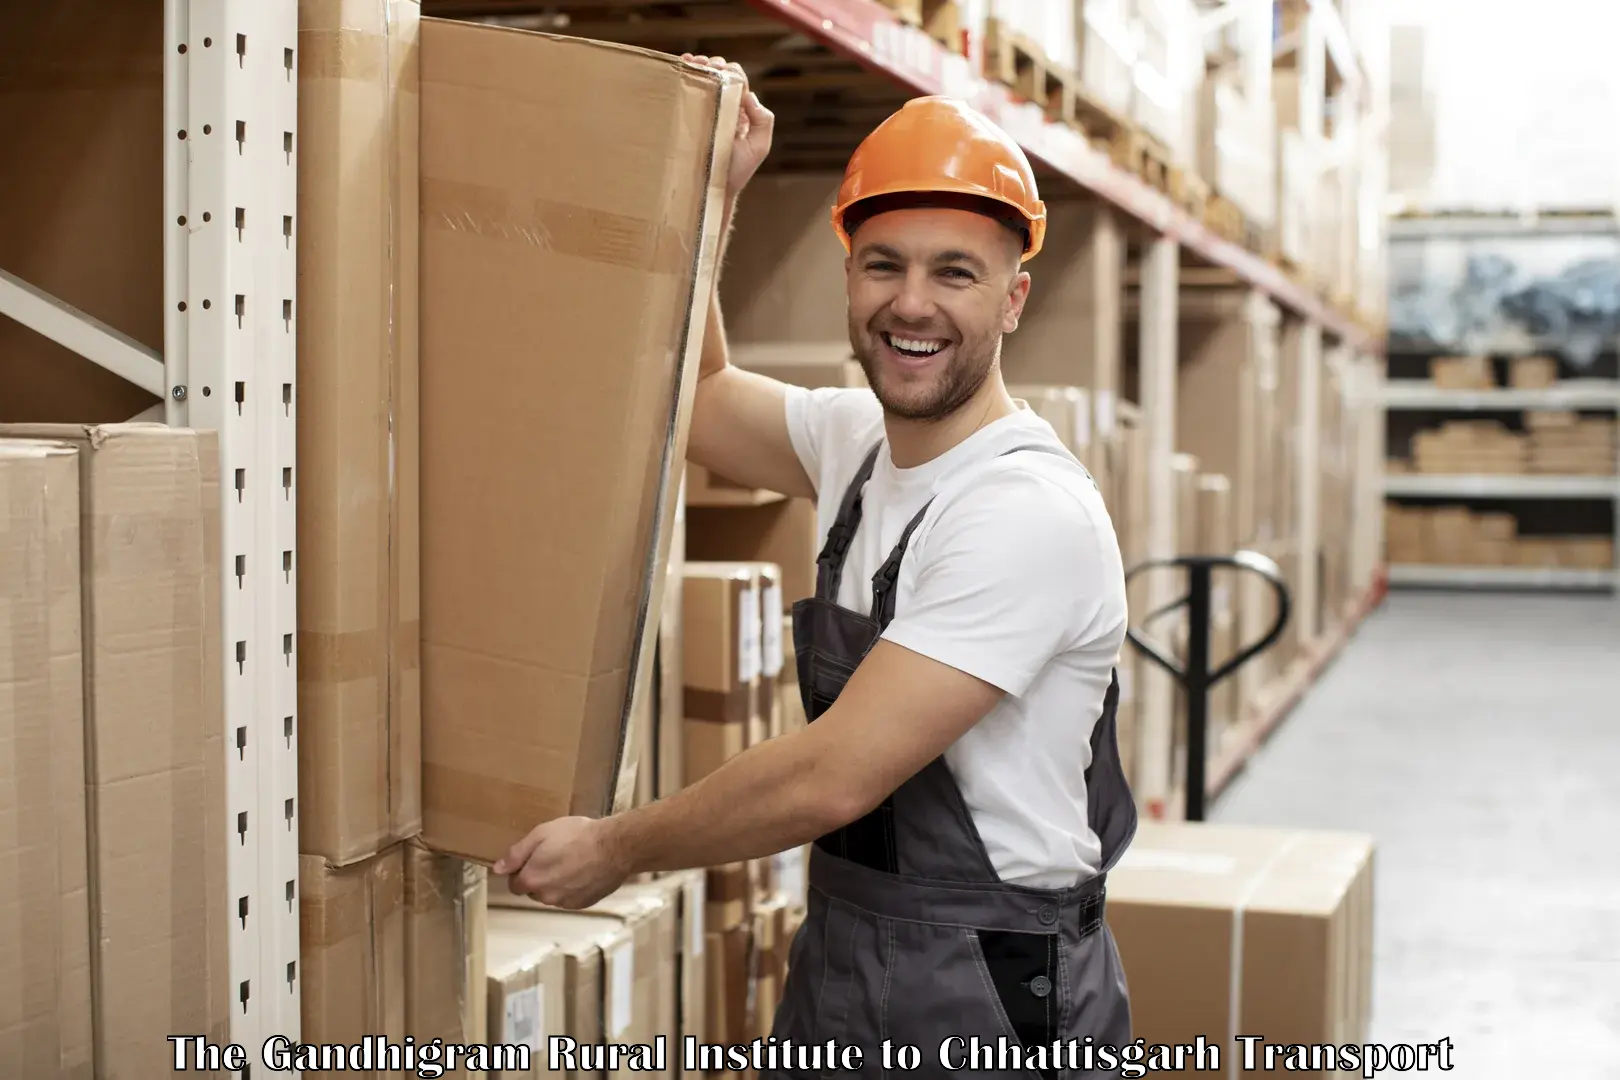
(915, 300)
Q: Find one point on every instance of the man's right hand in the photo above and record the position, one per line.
(755, 124)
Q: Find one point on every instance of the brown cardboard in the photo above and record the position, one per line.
(651, 911)
(1227, 931)
(730, 1002)
(637, 930)
(782, 532)
(359, 562)
(689, 895)
(722, 651)
(553, 428)
(768, 963)
(527, 985)
(45, 1028)
(602, 955)
(352, 940)
(85, 221)
(154, 733)
(445, 900)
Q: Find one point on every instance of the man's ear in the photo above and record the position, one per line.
(1017, 297)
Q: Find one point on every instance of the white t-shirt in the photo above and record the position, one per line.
(1013, 576)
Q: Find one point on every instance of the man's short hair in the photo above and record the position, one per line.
(1007, 216)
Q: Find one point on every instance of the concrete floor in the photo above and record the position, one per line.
(1477, 737)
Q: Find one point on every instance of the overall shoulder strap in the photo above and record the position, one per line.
(883, 582)
(830, 563)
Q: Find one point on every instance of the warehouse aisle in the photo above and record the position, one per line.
(1477, 737)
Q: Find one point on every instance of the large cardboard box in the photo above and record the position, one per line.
(1228, 931)
(359, 551)
(154, 734)
(553, 426)
(446, 903)
(45, 1026)
(811, 364)
(352, 939)
(689, 894)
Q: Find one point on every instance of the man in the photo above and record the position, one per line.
(960, 776)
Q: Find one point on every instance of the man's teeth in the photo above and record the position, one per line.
(921, 347)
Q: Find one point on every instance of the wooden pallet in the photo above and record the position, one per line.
(1143, 156)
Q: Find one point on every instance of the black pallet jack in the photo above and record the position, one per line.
(1195, 676)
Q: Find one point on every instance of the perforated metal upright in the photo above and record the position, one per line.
(230, 196)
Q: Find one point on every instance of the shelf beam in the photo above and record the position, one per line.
(868, 32)
(89, 337)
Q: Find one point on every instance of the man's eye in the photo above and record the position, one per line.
(882, 267)
(958, 273)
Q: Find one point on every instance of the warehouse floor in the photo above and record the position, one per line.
(1477, 738)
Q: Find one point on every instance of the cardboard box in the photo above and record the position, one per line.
(730, 1006)
(1462, 373)
(1067, 408)
(688, 892)
(446, 903)
(769, 963)
(722, 653)
(784, 533)
(1532, 372)
(601, 957)
(359, 550)
(553, 428)
(47, 1022)
(1227, 931)
(527, 982)
(729, 896)
(352, 944)
(651, 911)
(154, 731)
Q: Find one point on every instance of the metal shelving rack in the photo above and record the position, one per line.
(229, 364)
(1585, 394)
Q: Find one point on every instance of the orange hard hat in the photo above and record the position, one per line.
(938, 145)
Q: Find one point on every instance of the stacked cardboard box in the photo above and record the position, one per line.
(1532, 372)
(1237, 148)
(1565, 444)
(1462, 373)
(114, 712)
(1229, 931)
(1486, 447)
(1461, 536)
(439, 719)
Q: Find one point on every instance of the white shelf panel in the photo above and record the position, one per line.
(1420, 394)
(230, 196)
(1504, 487)
(1528, 577)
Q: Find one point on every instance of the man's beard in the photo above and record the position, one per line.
(952, 388)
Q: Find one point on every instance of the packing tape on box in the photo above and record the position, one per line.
(1234, 992)
(353, 655)
(508, 804)
(717, 707)
(568, 229)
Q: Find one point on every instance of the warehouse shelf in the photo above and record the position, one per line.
(1502, 487)
(869, 34)
(1576, 394)
(1525, 577)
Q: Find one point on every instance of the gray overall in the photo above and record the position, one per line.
(910, 935)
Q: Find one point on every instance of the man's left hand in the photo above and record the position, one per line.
(566, 863)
